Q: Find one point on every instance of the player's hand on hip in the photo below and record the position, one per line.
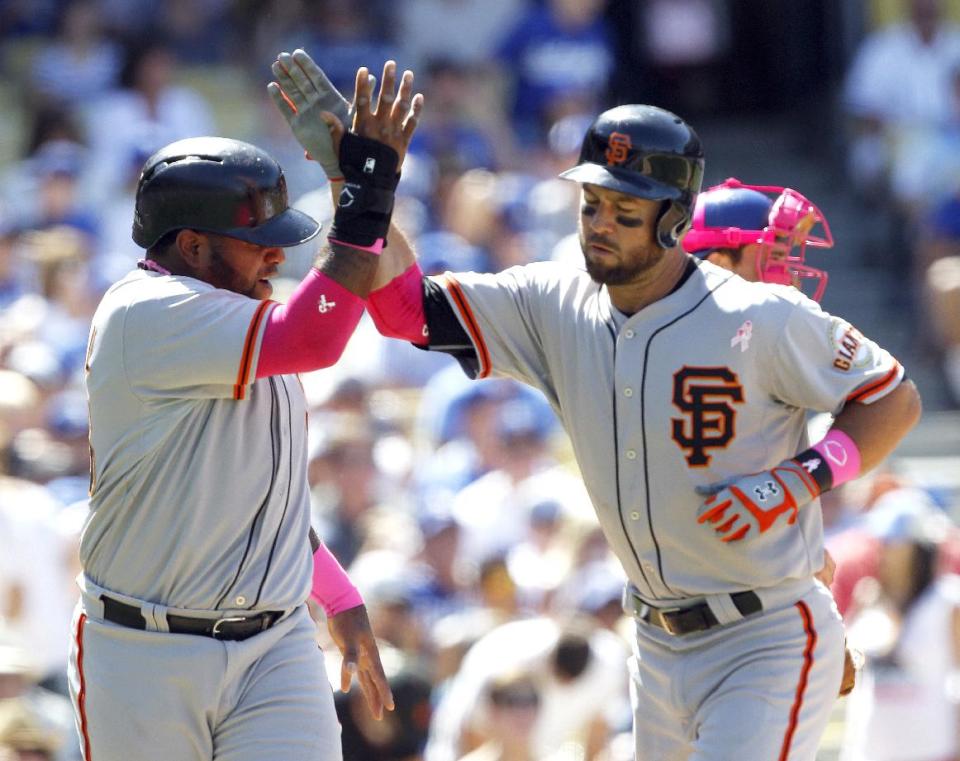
(352, 634)
(392, 119)
(825, 575)
(747, 506)
(315, 110)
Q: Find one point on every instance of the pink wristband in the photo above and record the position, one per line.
(841, 454)
(332, 588)
(376, 248)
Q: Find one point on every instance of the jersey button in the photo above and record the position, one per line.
(628, 391)
(635, 515)
(631, 454)
(629, 333)
(241, 600)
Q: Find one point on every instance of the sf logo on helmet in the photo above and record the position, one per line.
(618, 148)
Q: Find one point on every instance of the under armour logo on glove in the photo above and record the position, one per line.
(748, 506)
(769, 489)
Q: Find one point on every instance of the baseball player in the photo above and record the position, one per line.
(761, 232)
(192, 640)
(685, 392)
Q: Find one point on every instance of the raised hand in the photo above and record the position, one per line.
(394, 117)
(312, 106)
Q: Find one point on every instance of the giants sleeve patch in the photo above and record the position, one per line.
(850, 349)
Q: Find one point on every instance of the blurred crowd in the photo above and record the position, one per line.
(454, 505)
(902, 98)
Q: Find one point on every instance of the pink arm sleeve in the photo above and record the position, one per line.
(332, 588)
(310, 331)
(397, 308)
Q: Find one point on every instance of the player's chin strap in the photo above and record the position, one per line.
(747, 506)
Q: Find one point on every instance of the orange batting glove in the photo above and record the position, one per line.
(751, 505)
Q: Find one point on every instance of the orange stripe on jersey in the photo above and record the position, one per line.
(246, 359)
(877, 386)
(802, 682)
(82, 692)
(471, 322)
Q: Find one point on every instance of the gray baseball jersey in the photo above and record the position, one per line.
(712, 381)
(174, 408)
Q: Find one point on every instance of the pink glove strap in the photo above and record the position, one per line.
(840, 453)
(376, 248)
(332, 588)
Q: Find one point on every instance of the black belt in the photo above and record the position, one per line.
(690, 619)
(231, 627)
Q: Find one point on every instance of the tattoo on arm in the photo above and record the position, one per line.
(352, 268)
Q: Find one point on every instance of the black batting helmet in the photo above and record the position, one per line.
(217, 185)
(647, 152)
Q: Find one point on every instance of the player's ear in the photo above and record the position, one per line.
(193, 248)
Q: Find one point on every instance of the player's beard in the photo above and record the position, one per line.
(627, 268)
(226, 277)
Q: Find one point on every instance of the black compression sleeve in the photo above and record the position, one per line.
(446, 332)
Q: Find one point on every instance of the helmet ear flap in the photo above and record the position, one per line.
(672, 223)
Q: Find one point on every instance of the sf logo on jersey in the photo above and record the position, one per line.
(705, 396)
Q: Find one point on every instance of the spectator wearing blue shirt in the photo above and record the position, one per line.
(561, 57)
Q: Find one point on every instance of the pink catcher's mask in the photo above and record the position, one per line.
(792, 224)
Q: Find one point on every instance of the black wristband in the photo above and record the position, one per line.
(366, 200)
(819, 469)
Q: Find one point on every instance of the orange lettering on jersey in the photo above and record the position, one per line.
(847, 348)
(705, 396)
(618, 148)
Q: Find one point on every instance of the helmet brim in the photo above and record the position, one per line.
(623, 181)
(289, 228)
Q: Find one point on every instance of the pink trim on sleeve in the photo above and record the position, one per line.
(397, 308)
(332, 588)
(841, 455)
(311, 330)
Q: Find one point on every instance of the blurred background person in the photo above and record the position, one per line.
(907, 623)
(512, 702)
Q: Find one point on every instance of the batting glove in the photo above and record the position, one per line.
(751, 505)
(302, 92)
